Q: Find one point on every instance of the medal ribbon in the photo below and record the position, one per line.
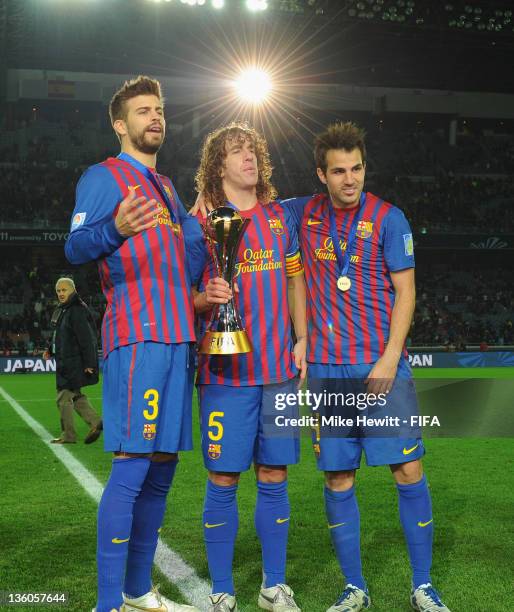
(153, 178)
(343, 259)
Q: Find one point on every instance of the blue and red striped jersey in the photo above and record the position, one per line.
(144, 278)
(350, 327)
(267, 256)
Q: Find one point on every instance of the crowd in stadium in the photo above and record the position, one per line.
(457, 307)
(466, 188)
(440, 188)
(462, 307)
(29, 300)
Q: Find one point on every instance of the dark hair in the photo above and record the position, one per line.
(208, 177)
(140, 86)
(347, 136)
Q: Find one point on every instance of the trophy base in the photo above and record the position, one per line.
(225, 343)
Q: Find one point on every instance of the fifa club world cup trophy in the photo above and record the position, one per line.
(225, 335)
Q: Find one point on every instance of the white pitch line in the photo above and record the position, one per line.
(170, 563)
(52, 399)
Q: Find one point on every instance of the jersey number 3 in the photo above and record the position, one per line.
(152, 396)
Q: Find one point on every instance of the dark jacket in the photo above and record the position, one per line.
(74, 345)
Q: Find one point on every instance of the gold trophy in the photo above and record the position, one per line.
(225, 335)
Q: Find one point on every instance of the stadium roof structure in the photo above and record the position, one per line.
(452, 45)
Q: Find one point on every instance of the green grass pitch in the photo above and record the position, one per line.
(47, 535)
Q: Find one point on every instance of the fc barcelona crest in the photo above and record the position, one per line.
(364, 229)
(275, 225)
(214, 451)
(149, 431)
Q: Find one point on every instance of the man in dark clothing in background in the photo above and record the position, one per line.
(75, 347)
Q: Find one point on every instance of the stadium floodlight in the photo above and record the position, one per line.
(253, 86)
(218, 4)
(256, 5)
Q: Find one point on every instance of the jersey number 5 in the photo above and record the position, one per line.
(152, 396)
(218, 434)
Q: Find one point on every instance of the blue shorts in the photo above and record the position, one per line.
(237, 427)
(344, 453)
(147, 395)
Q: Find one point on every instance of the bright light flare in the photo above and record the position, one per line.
(253, 86)
(256, 5)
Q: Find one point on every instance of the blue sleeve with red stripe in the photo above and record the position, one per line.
(196, 249)
(398, 241)
(295, 206)
(93, 233)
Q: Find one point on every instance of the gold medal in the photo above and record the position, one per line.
(343, 283)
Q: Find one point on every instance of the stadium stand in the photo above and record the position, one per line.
(444, 190)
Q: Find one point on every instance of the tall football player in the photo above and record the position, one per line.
(129, 218)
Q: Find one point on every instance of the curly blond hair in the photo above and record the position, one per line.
(208, 179)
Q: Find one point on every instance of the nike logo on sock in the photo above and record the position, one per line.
(336, 525)
(118, 541)
(281, 520)
(420, 524)
(211, 525)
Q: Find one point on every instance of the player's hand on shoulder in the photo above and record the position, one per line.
(136, 215)
(201, 206)
(217, 291)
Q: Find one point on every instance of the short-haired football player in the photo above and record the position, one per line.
(237, 392)
(358, 257)
(129, 218)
